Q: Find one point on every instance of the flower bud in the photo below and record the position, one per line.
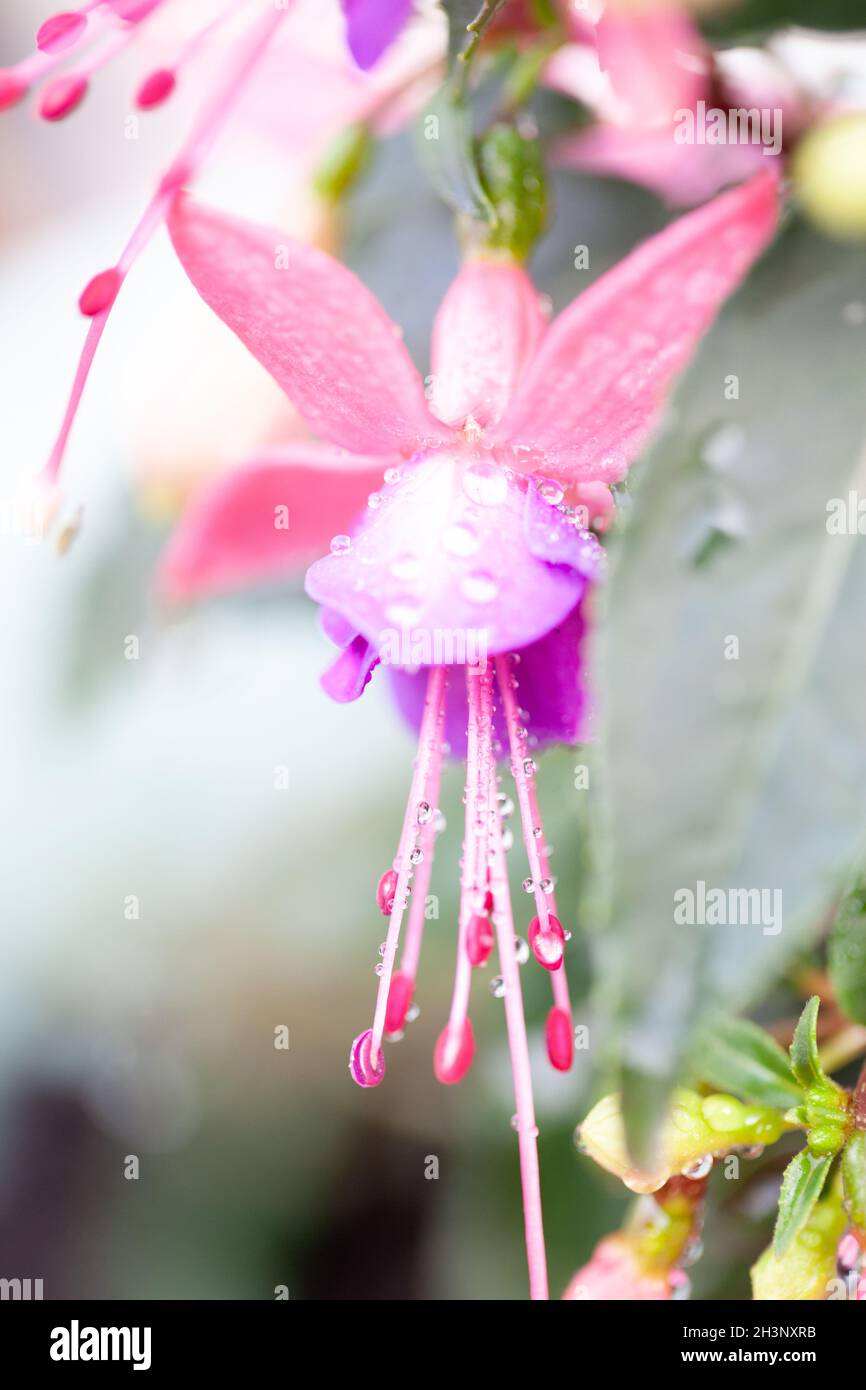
(512, 175)
(807, 1267)
(697, 1128)
(829, 171)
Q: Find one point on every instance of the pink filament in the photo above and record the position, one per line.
(158, 86)
(473, 880)
(429, 747)
(527, 1130)
(191, 156)
(415, 926)
(530, 817)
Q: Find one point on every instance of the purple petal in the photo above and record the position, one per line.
(441, 572)
(551, 690)
(346, 678)
(372, 25)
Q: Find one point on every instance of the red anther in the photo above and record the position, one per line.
(362, 1072)
(60, 31)
(488, 901)
(479, 939)
(62, 96)
(12, 89)
(156, 88)
(548, 947)
(385, 892)
(399, 999)
(560, 1039)
(100, 293)
(453, 1054)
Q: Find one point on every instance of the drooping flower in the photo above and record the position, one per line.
(468, 571)
(646, 73)
(224, 54)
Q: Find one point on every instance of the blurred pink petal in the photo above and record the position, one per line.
(682, 175)
(614, 1275)
(655, 59)
(319, 332)
(372, 26)
(485, 331)
(588, 400)
(232, 534)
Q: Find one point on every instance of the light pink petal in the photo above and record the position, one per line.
(312, 324)
(487, 327)
(682, 175)
(655, 60)
(233, 534)
(590, 396)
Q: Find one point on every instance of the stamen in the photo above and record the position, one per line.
(527, 1130)
(546, 935)
(386, 891)
(362, 1069)
(158, 86)
(403, 982)
(63, 30)
(455, 1047)
(417, 816)
(189, 160)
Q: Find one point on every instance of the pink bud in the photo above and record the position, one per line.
(156, 88)
(479, 940)
(548, 947)
(385, 892)
(12, 89)
(61, 96)
(560, 1039)
(361, 1069)
(99, 293)
(60, 31)
(399, 999)
(453, 1054)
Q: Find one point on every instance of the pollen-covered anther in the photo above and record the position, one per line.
(547, 944)
(385, 891)
(559, 1037)
(454, 1053)
(61, 31)
(100, 293)
(361, 1068)
(399, 1001)
(156, 88)
(62, 96)
(479, 939)
(12, 89)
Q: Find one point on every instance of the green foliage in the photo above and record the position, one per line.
(802, 1185)
(847, 953)
(736, 1055)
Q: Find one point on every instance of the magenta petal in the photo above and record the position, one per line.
(551, 535)
(347, 678)
(551, 691)
(435, 576)
(372, 26)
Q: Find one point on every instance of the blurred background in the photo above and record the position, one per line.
(167, 902)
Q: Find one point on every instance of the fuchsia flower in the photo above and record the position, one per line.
(476, 536)
(638, 71)
(615, 1274)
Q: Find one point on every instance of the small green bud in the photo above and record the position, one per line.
(512, 175)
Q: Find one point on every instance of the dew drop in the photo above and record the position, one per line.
(521, 950)
(546, 885)
(497, 987)
(413, 1012)
(416, 855)
(485, 483)
(529, 767)
(550, 491)
(700, 1169)
(374, 501)
(479, 587)
(423, 812)
(460, 539)
(392, 476)
(528, 885)
(341, 545)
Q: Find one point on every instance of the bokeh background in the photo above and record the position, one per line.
(155, 779)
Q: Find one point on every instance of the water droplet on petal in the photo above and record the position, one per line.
(699, 1169)
(551, 491)
(479, 587)
(460, 539)
(485, 483)
(423, 812)
(340, 545)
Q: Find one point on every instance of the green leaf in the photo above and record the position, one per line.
(736, 1055)
(854, 1178)
(746, 771)
(802, 1185)
(445, 141)
(848, 953)
(805, 1063)
(754, 18)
